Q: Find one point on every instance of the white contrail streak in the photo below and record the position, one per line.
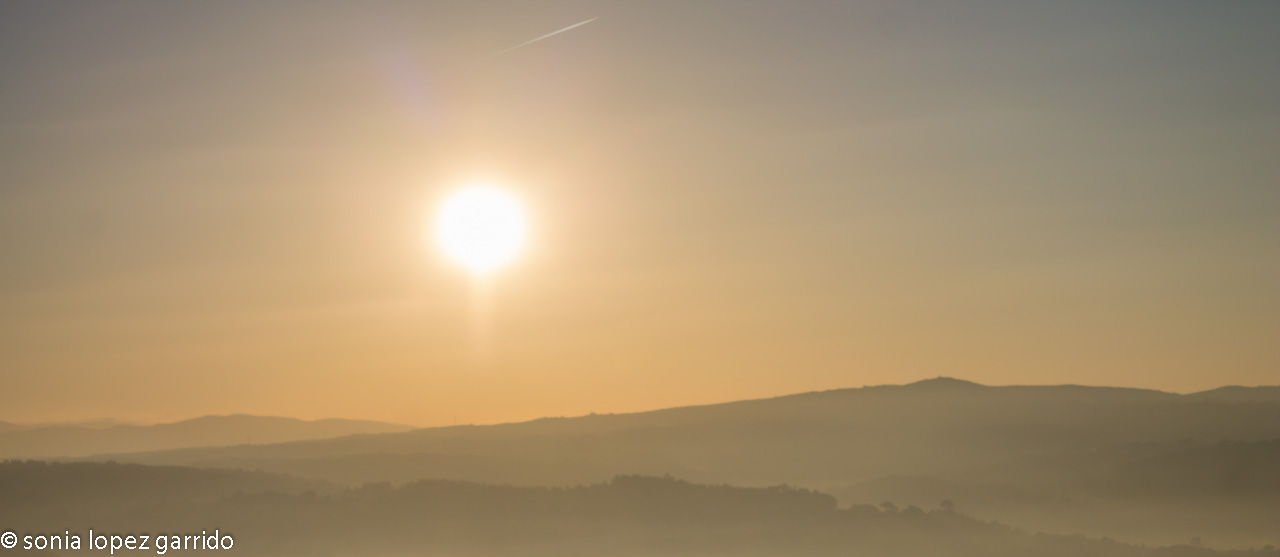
(531, 41)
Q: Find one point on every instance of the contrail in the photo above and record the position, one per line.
(531, 41)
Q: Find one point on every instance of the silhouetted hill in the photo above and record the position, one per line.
(628, 515)
(1003, 447)
(1224, 469)
(88, 439)
(1228, 492)
(818, 439)
(943, 383)
(98, 423)
(1239, 394)
(38, 486)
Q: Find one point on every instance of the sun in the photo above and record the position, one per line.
(481, 228)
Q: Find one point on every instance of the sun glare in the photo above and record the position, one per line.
(481, 228)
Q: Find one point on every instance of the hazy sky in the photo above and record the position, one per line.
(224, 206)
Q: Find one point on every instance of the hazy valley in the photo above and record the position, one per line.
(1140, 466)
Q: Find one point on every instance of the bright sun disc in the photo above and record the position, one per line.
(481, 228)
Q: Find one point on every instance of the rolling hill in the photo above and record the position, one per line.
(265, 514)
(1031, 456)
(78, 440)
(821, 439)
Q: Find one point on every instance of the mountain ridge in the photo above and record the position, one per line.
(1029, 455)
(70, 441)
(942, 412)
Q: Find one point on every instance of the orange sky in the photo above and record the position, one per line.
(213, 207)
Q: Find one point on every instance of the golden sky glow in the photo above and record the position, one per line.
(211, 207)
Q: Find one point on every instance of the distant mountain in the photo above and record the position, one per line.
(99, 423)
(820, 439)
(1031, 456)
(1239, 394)
(52, 441)
(943, 383)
